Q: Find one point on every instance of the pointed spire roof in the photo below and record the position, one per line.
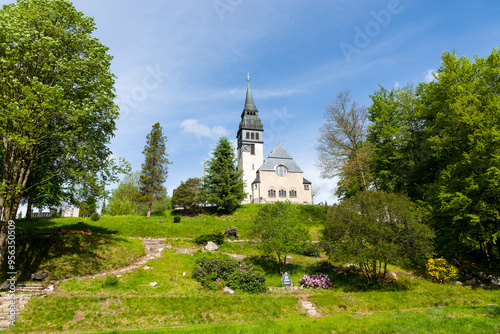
(249, 105)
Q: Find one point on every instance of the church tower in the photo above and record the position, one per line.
(250, 143)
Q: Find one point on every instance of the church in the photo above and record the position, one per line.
(279, 177)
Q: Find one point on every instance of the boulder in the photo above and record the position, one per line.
(153, 284)
(495, 281)
(229, 290)
(211, 247)
(391, 277)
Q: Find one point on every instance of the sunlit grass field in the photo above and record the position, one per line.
(179, 304)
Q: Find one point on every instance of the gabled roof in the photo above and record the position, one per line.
(280, 156)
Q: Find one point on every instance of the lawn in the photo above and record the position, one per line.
(179, 304)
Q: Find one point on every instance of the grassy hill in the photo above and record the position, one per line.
(179, 304)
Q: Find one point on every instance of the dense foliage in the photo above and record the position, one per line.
(215, 237)
(279, 231)
(214, 273)
(155, 167)
(223, 185)
(373, 229)
(440, 271)
(57, 113)
(188, 195)
(440, 144)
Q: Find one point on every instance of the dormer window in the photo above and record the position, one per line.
(281, 170)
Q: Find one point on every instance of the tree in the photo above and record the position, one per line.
(279, 231)
(126, 197)
(188, 195)
(155, 167)
(373, 229)
(223, 185)
(342, 148)
(56, 100)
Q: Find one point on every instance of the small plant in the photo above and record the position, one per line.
(95, 217)
(177, 219)
(111, 280)
(231, 232)
(216, 237)
(318, 281)
(440, 271)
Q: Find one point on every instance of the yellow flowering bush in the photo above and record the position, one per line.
(439, 270)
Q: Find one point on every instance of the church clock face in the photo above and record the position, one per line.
(246, 148)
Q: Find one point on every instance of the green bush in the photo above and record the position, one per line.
(216, 237)
(111, 280)
(213, 273)
(95, 217)
(177, 219)
(310, 249)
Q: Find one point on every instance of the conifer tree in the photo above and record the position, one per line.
(155, 167)
(223, 184)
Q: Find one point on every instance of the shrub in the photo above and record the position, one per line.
(231, 232)
(439, 270)
(319, 281)
(216, 237)
(177, 219)
(95, 216)
(212, 273)
(111, 280)
(310, 249)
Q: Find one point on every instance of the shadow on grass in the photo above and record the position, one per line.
(40, 249)
(37, 226)
(271, 266)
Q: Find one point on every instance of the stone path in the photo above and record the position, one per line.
(309, 307)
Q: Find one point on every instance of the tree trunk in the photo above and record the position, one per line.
(149, 208)
(28, 211)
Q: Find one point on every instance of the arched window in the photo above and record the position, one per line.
(248, 135)
(281, 170)
(253, 135)
(282, 193)
(293, 193)
(271, 193)
(257, 136)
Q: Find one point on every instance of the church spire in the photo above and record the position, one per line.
(249, 105)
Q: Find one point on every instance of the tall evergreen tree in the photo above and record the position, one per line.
(223, 184)
(155, 167)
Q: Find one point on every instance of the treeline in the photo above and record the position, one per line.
(437, 143)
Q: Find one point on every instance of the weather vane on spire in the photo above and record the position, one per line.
(248, 77)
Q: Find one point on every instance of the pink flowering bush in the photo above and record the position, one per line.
(319, 281)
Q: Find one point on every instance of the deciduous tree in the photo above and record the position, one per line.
(279, 231)
(56, 99)
(373, 229)
(188, 195)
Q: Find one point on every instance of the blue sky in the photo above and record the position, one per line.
(184, 64)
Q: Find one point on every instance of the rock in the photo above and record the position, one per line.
(473, 281)
(39, 277)
(153, 284)
(49, 289)
(458, 283)
(229, 290)
(391, 277)
(495, 281)
(160, 221)
(147, 268)
(211, 247)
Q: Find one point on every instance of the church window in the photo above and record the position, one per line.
(252, 149)
(271, 193)
(255, 187)
(293, 193)
(253, 135)
(281, 170)
(306, 187)
(282, 193)
(248, 135)
(257, 136)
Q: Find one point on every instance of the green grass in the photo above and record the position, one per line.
(178, 304)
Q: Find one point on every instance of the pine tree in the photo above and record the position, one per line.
(223, 184)
(155, 167)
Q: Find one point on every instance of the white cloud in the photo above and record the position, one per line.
(202, 130)
(429, 75)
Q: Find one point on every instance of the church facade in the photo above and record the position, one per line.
(279, 177)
